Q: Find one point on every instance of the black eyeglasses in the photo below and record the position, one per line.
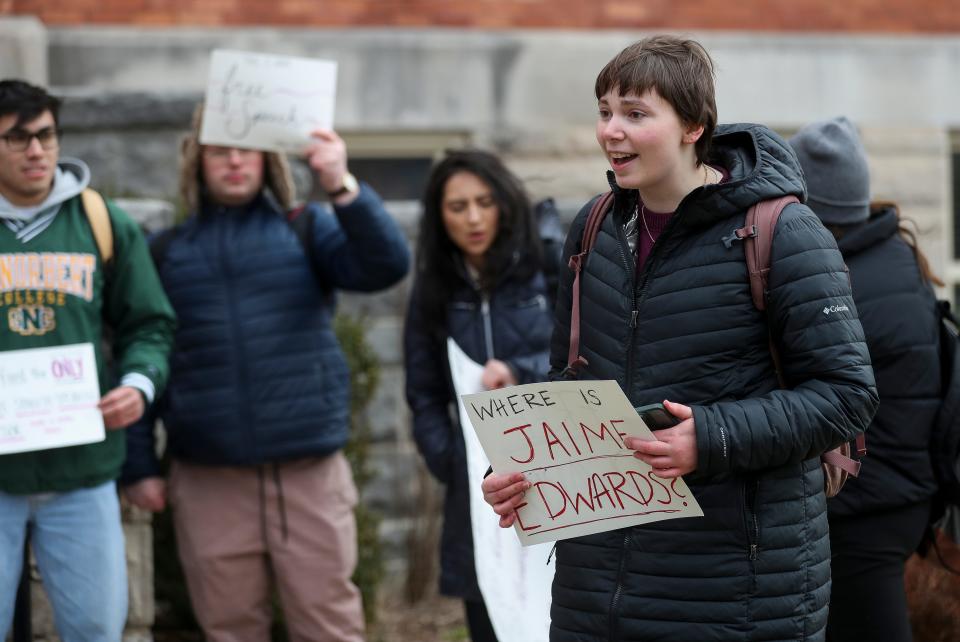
(18, 140)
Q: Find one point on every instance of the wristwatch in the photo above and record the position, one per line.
(349, 184)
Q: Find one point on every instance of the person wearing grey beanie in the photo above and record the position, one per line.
(880, 517)
(835, 167)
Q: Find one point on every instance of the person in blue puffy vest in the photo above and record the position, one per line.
(257, 411)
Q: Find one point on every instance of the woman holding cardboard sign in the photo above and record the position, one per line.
(666, 310)
(478, 281)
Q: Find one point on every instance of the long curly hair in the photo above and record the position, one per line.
(516, 246)
(907, 228)
(277, 177)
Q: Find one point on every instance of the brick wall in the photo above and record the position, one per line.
(882, 16)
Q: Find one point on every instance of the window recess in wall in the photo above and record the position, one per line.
(397, 164)
(952, 276)
(955, 192)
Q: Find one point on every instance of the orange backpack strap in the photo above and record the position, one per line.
(590, 232)
(98, 217)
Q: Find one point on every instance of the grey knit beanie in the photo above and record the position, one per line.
(835, 166)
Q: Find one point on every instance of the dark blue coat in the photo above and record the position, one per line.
(898, 310)
(513, 325)
(756, 566)
(257, 374)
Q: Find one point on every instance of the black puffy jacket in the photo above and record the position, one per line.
(513, 324)
(757, 565)
(899, 315)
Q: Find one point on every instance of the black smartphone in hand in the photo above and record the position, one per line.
(656, 416)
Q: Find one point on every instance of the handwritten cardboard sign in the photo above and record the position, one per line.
(264, 101)
(512, 578)
(567, 438)
(48, 398)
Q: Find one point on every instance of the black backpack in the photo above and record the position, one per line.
(945, 439)
(552, 236)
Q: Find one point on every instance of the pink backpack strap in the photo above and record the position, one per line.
(295, 213)
(757, 237)
(590, 232)
(836, 458)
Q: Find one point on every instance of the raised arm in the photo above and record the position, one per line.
(361, 247)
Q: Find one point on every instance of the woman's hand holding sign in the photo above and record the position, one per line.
(565, 467)
(674, 453)
(505, 493)
(496, 375)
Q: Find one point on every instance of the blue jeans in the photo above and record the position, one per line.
(78, 542)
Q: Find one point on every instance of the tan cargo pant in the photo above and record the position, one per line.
(243, 530)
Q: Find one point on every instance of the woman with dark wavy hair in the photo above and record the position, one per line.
(479, 281)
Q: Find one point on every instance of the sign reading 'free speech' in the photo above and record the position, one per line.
(265, 101)
(567, 437)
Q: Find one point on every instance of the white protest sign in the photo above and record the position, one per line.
(48, 398)
(513, 579)
(269, 102)
(567, 438)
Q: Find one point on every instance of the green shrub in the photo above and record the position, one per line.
(364, 379)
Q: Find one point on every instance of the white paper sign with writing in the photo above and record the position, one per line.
(268, 102)
(48, 398)
(567, 438)
(513, 579)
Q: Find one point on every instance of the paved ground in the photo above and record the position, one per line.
(433, 619)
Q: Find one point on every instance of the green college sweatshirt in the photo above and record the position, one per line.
(54, 291)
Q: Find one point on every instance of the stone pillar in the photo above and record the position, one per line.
(23, 49)
(139, 536)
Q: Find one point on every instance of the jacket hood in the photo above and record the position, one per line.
(882, 224)
(761, 166)
(72, 176)
(276, 171)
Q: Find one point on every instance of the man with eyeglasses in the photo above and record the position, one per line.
(56, 289)
(257, 410)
